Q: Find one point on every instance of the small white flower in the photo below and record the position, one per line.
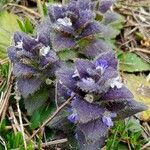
(44, 51)
(19, 44)
(76, 74)
(55, 4)
(60, 82)
(88, 81)
(65, 21)
(116, 82)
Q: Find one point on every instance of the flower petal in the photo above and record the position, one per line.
(18, 36)
(95, 48)
(50, 58)
(64, 30)
(110, 57)
(85, 16)
(88, 86)
(84, 5)
(29, 43)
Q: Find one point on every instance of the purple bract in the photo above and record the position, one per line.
(33, 61)
(100, 97)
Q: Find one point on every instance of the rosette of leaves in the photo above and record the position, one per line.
(100, 98)
(82, 27)
(33, 62)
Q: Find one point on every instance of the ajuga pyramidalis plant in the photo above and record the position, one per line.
(92, 76)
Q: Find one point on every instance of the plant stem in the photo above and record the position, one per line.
(21, 125)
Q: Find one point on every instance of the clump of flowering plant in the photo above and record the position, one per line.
(100, 98)
(77, 25)
(91, 78)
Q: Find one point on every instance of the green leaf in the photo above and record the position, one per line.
(130, 62)
(67, 55)
(40, 115)
(4, 70)
(21, 25)
(45, 9)
(121, 146)
(14, 140)
(8, 25)
(1, 147)
(28, 26)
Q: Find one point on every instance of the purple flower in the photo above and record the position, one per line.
(70, 93)
(107, 118)
(73, 115)
(95, 76)
(75, 22)
(72, 118)
(102, 65)
(33, 62)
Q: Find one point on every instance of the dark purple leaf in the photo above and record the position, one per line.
(95, 48)
(66, 79)
(82, 66)
(91, 29)
(55, 12)
(92, 133)
(117, 94)
(28, 86)
(105, 5)
(86, 111)
(61, 43)
(20, 70)
(43, 32)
